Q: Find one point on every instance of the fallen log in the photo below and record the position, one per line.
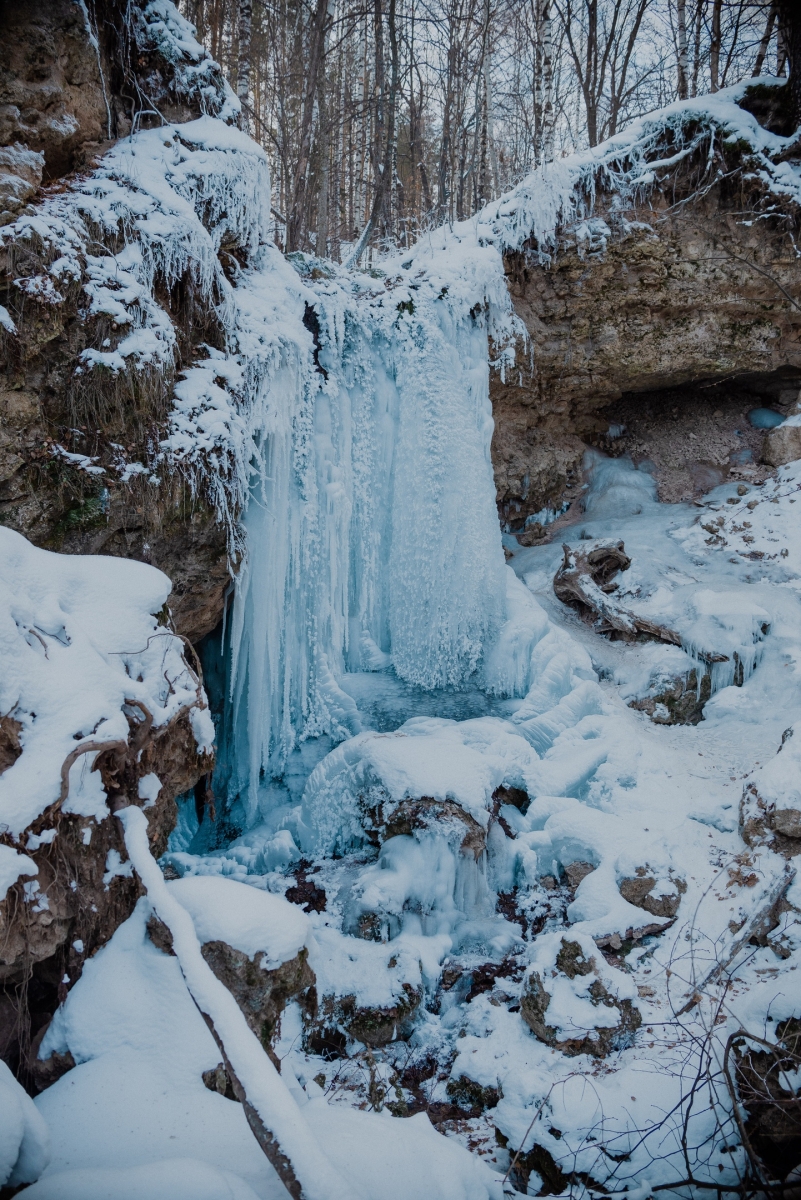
(585, 581)
(277, 1123)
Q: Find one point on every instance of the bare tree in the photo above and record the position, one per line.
(681, 38)
(243, 68)
(383, 118)
(602, 36)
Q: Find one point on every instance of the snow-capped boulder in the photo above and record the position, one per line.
(254, 942)
(659, 897)
(573, 1000)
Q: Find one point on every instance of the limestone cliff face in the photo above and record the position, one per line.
(72, 80)
(51, 94)
(695, 284)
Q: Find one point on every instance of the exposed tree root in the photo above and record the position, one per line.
(585, 582)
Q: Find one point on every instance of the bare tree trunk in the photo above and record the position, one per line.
(620, 76)
(337, 165)
(324, 149)
(763, 45)
(548, 124)
(681, 37)
(483, 106)
(316, 53)
(699, 12)
(445, 145)
(790, 26)
(591, 73)
(243, 65)
(383, 182)
(539, 84)
(714, 46)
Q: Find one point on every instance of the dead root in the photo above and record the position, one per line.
(585, 581)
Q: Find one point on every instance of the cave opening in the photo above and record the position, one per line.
(699, 434)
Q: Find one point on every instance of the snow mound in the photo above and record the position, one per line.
(391, 1159)
(174, 1179)
(251, 921)
(24, 1138)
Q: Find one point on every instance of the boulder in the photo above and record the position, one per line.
(50, 924)
(679, 701)
(373, 1026)
(787, 821)
(782, 444)
(254, 942)
(20, 176)
(387, 819)
(770, 808)
(572, 1000)
(641, 891)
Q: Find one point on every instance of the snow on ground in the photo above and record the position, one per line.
(611, 789)
(24, 1135)
(136, 1099)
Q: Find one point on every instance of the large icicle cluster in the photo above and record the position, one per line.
(372, 532)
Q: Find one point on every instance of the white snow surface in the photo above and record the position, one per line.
(131, 1016)
(24, 1136)
(173, 1179)
(253, 922)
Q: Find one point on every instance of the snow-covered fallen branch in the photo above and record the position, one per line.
(584, 581)
(276, 1121)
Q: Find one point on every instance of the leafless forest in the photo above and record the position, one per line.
(383, 117)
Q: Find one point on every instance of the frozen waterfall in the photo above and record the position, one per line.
(372, 533)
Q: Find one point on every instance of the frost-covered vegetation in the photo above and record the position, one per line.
(535, 913)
